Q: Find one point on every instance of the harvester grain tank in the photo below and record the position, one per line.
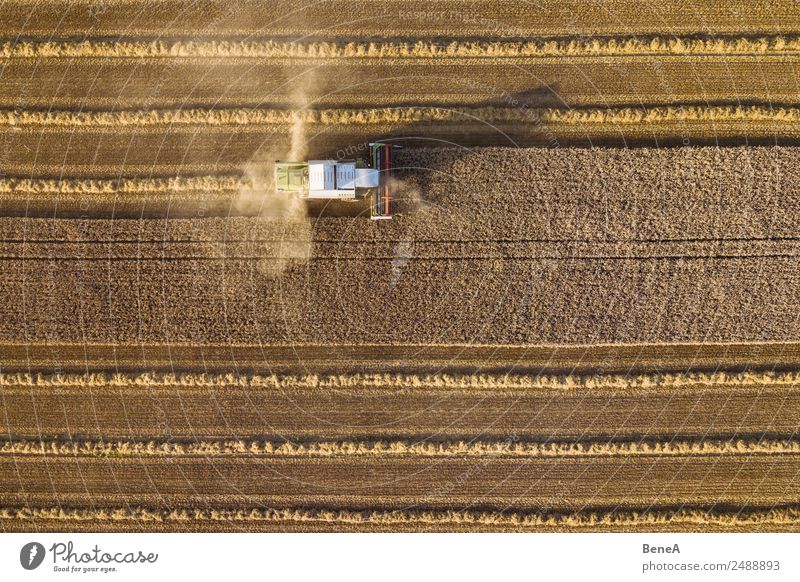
(347, 180)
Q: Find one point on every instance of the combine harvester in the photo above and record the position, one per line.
(348, 180)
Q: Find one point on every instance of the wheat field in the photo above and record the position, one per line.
(585, 317)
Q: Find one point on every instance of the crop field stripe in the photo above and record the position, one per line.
(80, 64)
(309, 416)
(159, 391)
(398, 448)
(185, 150)
(225, 183)
(745, 516)
(626, 359)
(477, 382)
(395, 481)
(582, 81)
(392, 17)
(615, 46)
(399, 115)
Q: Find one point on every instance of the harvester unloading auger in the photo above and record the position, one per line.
(347, 180)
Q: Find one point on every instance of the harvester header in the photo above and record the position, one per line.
(347, 180)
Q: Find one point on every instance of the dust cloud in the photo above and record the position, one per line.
(408, 195)
(283, 212)
(283, 216)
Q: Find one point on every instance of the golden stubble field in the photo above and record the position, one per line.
(594, 333)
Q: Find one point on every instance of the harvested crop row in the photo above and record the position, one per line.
(647, 519)
(337, 359)
(121, 185)
(401, 482)
(252, 448)
(120, 197)
(113, 413)
(578, 81)
(419, 49)
(404, 115)
(399, 382)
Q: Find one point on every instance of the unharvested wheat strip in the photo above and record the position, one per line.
(780, 516)
(401, 115)
(384, 448)
(121, 186)
(408, 381)
(420, 49)
(218, 18)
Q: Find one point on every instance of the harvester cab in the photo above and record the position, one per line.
(347, 180)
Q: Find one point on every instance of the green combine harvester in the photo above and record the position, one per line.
(347, 180)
